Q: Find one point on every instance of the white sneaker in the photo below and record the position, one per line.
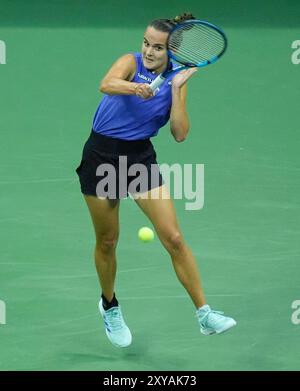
(115, 327)
(213, 322)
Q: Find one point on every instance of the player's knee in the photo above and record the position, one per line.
(174, 242)
(107, 243)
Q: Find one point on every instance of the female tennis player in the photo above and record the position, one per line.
(128, 115)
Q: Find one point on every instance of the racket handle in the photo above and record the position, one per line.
(157, 82)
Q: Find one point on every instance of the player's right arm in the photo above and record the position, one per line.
(117, 80)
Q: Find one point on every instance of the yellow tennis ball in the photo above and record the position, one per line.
(146, 234)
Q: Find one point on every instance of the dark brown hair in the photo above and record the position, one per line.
(166, 25)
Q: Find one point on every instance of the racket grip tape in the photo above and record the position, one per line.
(157, 82)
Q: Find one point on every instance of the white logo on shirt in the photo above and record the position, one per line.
(144, 77)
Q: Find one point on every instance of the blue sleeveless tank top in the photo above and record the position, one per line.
(129, 117)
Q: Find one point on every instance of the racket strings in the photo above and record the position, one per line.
(206, 51)
(186, 36)
(194, 57)
(195, 43)
(199, 32)
(197, 47)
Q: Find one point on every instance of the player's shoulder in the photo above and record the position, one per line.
(127, 63)
(128, 57)
(126, 60)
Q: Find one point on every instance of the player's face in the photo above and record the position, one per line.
(154, 50)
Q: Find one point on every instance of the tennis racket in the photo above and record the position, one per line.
(193, 43)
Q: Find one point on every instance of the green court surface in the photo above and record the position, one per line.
(244, 114)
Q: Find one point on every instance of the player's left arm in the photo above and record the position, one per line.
(179, 121)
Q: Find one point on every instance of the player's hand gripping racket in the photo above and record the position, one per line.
(193, 43)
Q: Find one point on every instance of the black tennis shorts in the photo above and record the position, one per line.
(112, 168)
